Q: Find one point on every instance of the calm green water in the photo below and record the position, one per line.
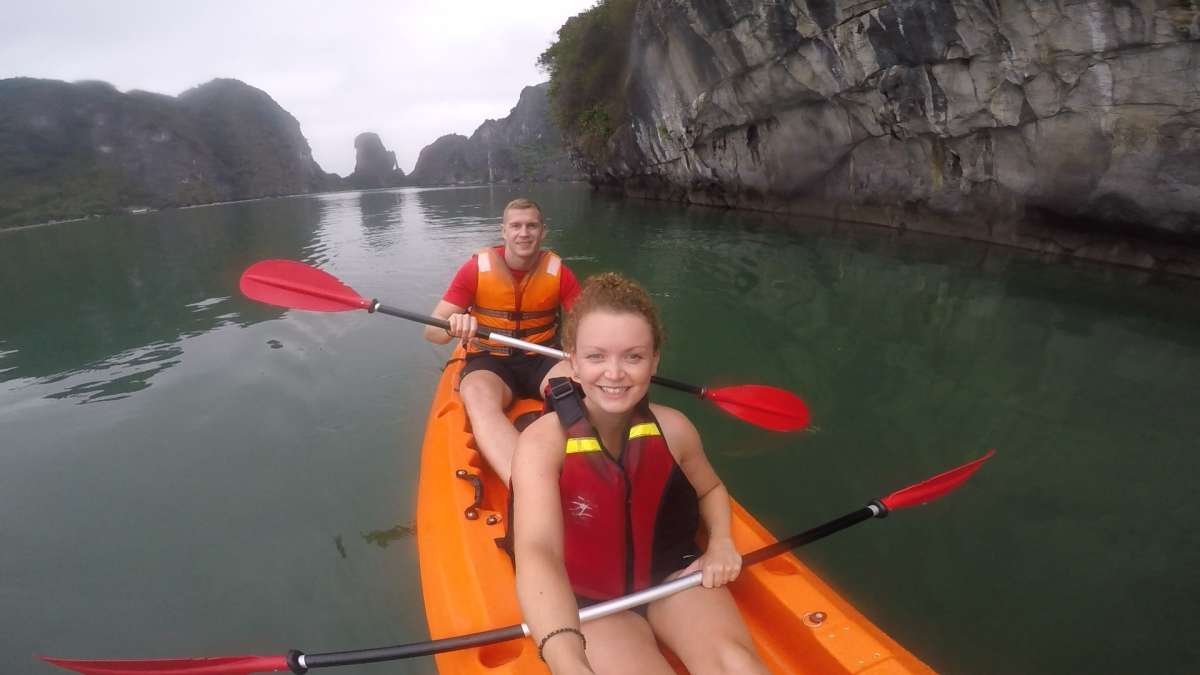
(184, 472)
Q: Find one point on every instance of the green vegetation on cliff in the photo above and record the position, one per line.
(72, 150)
(587, 66)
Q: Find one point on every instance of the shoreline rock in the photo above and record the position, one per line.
(1072, 129)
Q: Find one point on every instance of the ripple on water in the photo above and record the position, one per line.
(203, 305)
(123, 375)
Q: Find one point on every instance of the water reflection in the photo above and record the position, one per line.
(105, 299)
(122, 376)
(382, 216)
(473, 210)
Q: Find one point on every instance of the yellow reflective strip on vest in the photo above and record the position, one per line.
(644, 429)
(575, 445)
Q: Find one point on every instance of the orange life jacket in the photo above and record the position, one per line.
(527, 310)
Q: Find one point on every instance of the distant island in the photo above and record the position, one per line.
(526, 146)
(74, 150)
(70, 150)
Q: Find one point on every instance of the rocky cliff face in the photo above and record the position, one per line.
(374, 165)
(525, 146)
(71, 150)
(1060, 126)
(448, 161)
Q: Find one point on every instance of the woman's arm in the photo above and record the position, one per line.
(543, 590)
(720, 563)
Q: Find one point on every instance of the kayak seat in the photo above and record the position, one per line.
(526, 419)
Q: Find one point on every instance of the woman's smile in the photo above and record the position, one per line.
(614, 358)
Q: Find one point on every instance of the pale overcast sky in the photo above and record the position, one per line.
(408, 70)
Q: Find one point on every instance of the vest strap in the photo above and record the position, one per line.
(526, 332)
(513, 316)
(565, 398)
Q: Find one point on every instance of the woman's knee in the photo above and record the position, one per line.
(481, 389)
(735, 658)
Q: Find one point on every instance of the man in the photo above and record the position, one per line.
(515, 289)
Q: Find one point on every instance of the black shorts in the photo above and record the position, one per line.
(523, 373)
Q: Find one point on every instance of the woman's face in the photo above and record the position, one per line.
(614, 358)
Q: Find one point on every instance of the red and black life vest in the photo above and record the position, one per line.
(630, 520)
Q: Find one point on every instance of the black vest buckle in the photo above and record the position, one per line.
(566, 399)
(561, 388)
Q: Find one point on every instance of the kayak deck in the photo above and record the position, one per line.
(799, 624)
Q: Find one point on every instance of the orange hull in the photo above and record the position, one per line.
(468, 582)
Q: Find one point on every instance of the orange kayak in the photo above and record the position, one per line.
(799, 624)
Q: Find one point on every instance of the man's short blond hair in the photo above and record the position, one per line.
(521, 203)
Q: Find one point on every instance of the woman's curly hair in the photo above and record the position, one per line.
(612, 292)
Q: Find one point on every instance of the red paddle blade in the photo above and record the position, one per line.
(287, 283)
(768, 407)
(221, 665)
(933, 488)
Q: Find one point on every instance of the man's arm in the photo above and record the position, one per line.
(444, 310)
(568, 288)
(453, 307)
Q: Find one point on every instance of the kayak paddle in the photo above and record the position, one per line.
(299, 662)
(287, 283)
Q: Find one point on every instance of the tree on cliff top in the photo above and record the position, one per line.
(587, 67)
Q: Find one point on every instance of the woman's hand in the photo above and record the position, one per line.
(720, 564)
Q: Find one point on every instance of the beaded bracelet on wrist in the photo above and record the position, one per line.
(559, 631)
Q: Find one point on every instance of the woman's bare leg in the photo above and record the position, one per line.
(622, 643)
(705, 630)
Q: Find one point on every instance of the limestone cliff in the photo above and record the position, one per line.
(374, 165)
(525, 146)
(1064, 126)
(72, 150)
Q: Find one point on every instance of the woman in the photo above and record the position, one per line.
(611, 474)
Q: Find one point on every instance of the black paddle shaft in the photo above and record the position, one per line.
(875, 509)
(411, 650)
(484, 333)
(377, 306)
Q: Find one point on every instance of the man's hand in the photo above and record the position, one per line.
(462, 326)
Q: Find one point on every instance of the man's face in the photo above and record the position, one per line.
(523, 231)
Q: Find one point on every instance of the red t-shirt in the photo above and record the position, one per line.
(462, 287)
